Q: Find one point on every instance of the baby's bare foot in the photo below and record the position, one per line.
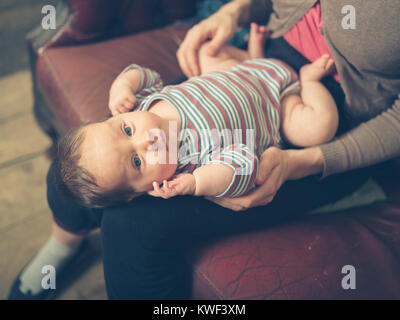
(320, 68)
(258, 35)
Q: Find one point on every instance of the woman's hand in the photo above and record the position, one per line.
(276, 166)
(271, 175)
(219, 27)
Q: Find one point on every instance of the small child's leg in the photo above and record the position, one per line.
(257, 38)
(311, 119)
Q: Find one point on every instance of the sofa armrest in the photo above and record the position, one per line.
(81, 22)
(84, 21)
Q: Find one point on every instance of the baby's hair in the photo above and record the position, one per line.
(77, 182)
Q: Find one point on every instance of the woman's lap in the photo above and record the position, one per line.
(144, 242)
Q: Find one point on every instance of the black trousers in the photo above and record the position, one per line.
(144, 242)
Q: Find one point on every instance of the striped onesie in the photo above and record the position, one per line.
(230, 116)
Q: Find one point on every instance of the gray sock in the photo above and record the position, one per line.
(52, 253)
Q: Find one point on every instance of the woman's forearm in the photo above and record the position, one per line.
(372, 142)
(304, 162)
(240, 9)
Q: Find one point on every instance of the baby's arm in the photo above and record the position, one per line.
(230, 171)
(199, 183)
(122, 91)
(133, 85)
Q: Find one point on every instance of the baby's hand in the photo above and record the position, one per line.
(121, 99)
(181, 184)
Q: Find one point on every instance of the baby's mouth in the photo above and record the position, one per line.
(165, 142)
(161, 140)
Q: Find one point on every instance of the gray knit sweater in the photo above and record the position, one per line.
(367, 59)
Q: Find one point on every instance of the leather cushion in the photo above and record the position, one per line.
(304, 259)
(75, 80)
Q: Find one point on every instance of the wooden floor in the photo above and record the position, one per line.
(25, 218)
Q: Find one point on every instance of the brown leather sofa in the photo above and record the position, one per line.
(73, 67)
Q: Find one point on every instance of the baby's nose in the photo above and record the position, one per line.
(147, 140)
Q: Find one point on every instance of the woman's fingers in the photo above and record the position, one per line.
(270, 177)
(180, 55)
(267, 191)
(192, 61)
(269, 160)
(187, 53)
(264, 172)
(226, 203)
(183, 60)
(258, 197)
(216, 43)
(219, 27)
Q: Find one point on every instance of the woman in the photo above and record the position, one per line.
(144, 243)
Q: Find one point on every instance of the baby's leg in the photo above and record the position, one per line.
(229, 56)
(311, 119)
(257, 38)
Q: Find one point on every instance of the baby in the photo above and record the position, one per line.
(202, 137)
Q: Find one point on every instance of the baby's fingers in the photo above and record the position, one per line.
(173, 184)
(169, 190)
(117, 110)
(114, 112)
(165, 188)
(130, 100)
(156, 192)
(177, 186)
(164, 192)
(153, 193)
(125, 105)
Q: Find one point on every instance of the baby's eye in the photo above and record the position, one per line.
(137, 162)
(128, 130)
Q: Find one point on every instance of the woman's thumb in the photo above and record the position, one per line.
(264, 169)
(261, 176)
(217, 42)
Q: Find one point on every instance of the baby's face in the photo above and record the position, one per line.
(117, 153)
